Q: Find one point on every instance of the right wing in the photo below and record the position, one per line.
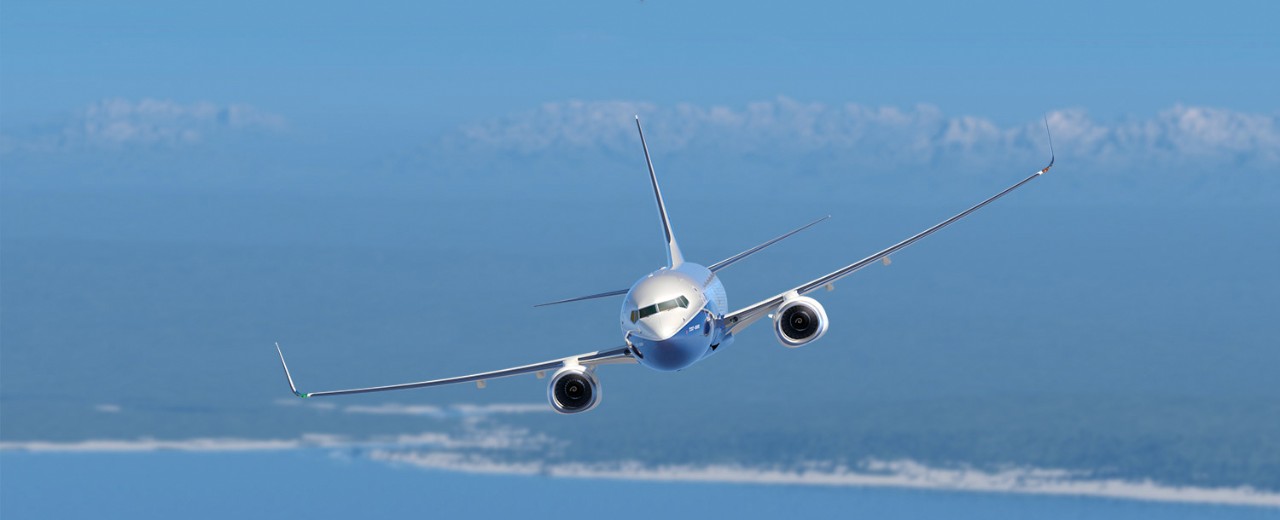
(740, 319)
(616, 355)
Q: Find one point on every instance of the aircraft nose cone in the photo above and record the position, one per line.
(659, 327)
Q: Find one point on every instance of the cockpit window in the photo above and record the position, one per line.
(645, 312)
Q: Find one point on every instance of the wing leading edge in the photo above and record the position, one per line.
(615, 355)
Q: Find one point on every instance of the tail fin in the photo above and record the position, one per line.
(674, 259)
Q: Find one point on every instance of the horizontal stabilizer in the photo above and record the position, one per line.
(729, 261)
(618, 292)
(713, 267)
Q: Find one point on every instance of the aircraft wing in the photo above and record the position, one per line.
(740, 319)
(615, 355)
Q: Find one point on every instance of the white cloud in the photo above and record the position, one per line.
(114, 122)
(499, 438)
(504, 450)
(905, 136)
(873, 473)
(456, 410)
(117, 123)
(460, 462)
(397, 409)
(502, 438)
(107, 408)
(571, 123)
(502, 408)
(147, 444)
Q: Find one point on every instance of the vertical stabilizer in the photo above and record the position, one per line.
(674, 258)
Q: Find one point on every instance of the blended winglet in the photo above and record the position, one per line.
(1052, 155)
(293, 388)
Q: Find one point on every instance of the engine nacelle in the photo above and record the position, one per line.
(799, 320)
(574, 389)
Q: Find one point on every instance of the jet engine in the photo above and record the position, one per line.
(799, 320)
(574, 389)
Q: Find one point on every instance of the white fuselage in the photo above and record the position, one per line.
(672, 317)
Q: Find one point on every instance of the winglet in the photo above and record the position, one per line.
(1052, 156)
(673, 250)
(292, 387)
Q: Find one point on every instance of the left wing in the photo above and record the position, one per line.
(740, 319)
(616, 355)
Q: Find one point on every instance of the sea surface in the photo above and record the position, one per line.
(1037, 360)
(326, 484)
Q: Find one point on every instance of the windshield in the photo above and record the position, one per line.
(645, 312)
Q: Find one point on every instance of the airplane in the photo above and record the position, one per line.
(678, 315)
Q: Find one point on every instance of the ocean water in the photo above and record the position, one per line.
(330, 484)
(1102, 345)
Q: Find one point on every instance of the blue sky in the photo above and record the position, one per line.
(349, 90)
(412, 67)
